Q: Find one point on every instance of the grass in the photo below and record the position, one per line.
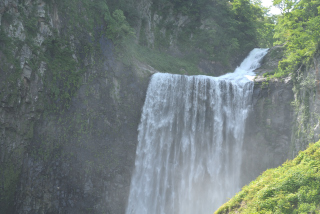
(161, 61)
(291, 188)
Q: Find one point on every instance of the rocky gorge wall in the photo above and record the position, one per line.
(267, 142)
(68, 132)
(70, 110)
(285, 116)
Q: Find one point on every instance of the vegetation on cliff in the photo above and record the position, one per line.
(293, 187)
(215, 30)
(176, 32)
(298, 29)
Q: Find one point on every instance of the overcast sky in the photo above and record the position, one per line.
(268, 3)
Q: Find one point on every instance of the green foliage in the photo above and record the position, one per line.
(129, 8)
(64, 70)
(31, 25)
(299, 30)
(221, 29)
(292, 188)
(255, 25)
(117, 26)
(63, 80)
(105, 10)
(161, 61)
(246, 15)
(266, 31)
(285, 5)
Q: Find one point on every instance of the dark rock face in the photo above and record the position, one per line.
(83, 159)
(270, 61)
(213, 68)
(80, 159)
(267, 140)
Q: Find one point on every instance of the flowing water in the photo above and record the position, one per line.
(190, 140)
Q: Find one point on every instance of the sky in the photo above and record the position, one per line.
(268, 3)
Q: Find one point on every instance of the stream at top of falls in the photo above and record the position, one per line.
(189, 151)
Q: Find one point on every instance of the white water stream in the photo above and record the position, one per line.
(190, 140)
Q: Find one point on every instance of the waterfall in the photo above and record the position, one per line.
(190, 140)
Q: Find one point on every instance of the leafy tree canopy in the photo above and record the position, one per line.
(298, 29)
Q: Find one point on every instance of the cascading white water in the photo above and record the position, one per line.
(190, 139)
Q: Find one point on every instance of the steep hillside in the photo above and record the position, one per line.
(292, 188)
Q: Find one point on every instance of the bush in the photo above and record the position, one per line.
(292, 188)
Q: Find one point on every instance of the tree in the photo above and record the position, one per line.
(285, 5)
(299, 30)
(117, 26)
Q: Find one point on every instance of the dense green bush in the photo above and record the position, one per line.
(293, 187)
(117, 26)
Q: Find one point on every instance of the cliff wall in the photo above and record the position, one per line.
(267, 142)
(285, 116)
(71, 105)
(69, 114)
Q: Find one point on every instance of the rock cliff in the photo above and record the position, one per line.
(69, 114)
(285, 116)
(306, 88)
(70, 107)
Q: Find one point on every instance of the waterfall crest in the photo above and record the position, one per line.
(190, 140)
